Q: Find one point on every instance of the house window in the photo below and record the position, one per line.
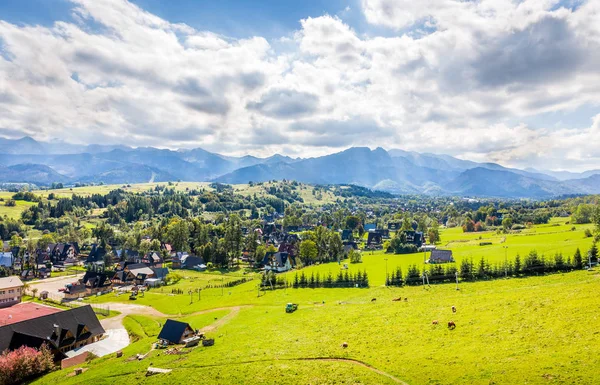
(2, 292)
(11, 291)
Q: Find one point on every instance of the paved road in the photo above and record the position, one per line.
(114, 340)
(53, 284)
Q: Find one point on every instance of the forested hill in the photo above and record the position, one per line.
(395, 171)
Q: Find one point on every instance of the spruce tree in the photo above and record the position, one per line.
(593, 254)
(577, 260)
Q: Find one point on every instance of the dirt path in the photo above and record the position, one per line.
(132, 309)
(217, 324)
(358, 363)
(324, 359)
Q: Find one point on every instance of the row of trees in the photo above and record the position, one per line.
(302, 281)
(468, 270)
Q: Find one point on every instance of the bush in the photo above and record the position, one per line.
(172, 278)
(355, 256)
(588, 233)
(485, 243)
(10, 203)
(24, 364)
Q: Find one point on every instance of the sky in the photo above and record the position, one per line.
(508, 81)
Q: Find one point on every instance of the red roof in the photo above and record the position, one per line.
(24, 311)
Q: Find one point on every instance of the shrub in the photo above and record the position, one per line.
(23, 364)
(172, 278)
(355, 256)
(10, 203)
(588, 233)
(485, 243)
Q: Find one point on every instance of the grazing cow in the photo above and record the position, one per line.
(397, 299)
(345, 345)
(374, 299)
(405, 299)
(435, 322)
(451, 325)
(453, 309)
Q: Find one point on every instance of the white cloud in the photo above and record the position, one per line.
(120, 74)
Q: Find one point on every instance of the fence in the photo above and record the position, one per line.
(56, 299)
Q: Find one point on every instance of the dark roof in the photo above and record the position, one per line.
(374, 237)
(394, 226)
(128, 253)
(190, 261)
(96, 254)
(277, 259)
(441, 256)
(160, 272)
(346, 234)
(95, 280)
(58, 329)
(173, 331)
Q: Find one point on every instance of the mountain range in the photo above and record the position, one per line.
(397, 171)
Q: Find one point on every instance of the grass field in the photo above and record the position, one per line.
(535, 330)
(13, 212)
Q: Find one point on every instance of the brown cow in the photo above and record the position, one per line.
(451, 325)
(453, 309)
(397, 299)
(435, 322)
(374, 299)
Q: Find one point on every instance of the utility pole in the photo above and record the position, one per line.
(505, 261)
(222, 286)
(456, 273)
(386, 272)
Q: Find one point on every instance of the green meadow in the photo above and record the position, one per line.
(537, 330)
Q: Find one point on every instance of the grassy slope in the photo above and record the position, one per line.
(536, 330)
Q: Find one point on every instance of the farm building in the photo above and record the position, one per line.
(174, 332)
(441, 256)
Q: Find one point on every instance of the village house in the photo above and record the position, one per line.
(61, 331)
(186, 261)
(151, 259)
(415, 238)
(126, 254)
(175, 332)
(11, 290)
(394, 226)
(278, 262)
(6, 259)
(95, 260)
(63, 254)
(139, 274)
(441, 256)
(374, 238)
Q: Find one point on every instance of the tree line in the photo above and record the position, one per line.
(531, 264)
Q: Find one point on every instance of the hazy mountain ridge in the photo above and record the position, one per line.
(396, 171)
